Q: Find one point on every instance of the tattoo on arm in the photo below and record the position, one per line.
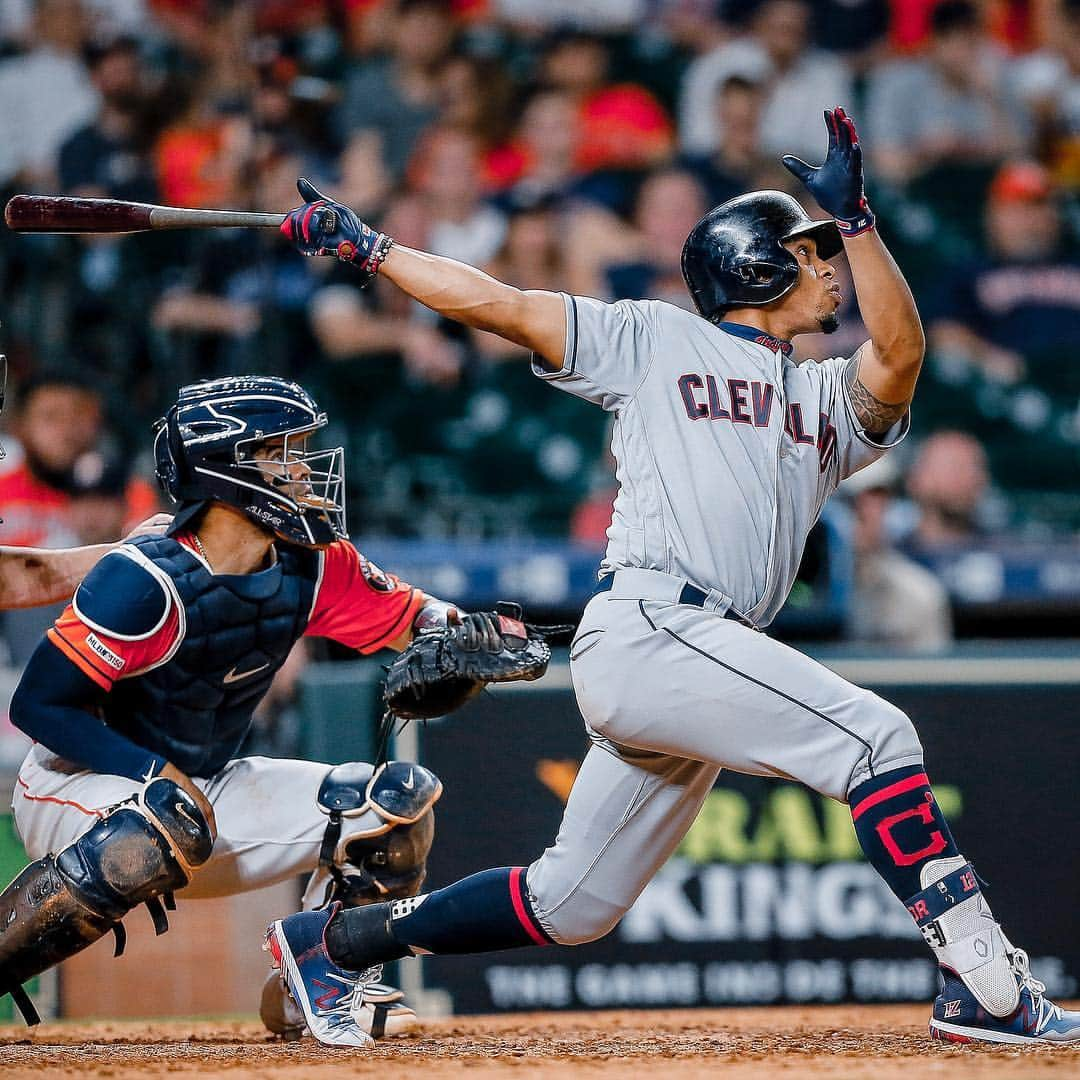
(875, 415)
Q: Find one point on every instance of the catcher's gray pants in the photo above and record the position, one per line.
(671, 693)
(270, 827)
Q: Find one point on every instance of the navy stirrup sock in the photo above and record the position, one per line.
(487, 911)
(900, 827)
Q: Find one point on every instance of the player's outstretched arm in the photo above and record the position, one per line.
(533, 319)
(33, 577)
(882, 374)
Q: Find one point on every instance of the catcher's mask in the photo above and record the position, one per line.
(242, 440)
(735, 255)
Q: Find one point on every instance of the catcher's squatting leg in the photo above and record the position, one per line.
(749, 703)
(380, 825)
(138, 853)
(305, 810)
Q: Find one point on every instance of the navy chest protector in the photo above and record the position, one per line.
(195, 709)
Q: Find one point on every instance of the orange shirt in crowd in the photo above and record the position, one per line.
(37, 515)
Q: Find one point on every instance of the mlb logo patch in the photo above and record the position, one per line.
(952, 1008)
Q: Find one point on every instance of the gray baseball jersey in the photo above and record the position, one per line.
(725, 448)
(726, 451)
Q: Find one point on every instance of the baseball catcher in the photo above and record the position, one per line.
(726, 449)
(143, 691)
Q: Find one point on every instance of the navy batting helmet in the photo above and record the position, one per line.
(206, 449)
(735, 255)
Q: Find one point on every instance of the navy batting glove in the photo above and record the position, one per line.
(324, 227)
(837, 185)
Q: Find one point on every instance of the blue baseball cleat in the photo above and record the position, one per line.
(958, 1017)
(327, 994)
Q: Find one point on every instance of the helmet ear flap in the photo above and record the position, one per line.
(169, 455)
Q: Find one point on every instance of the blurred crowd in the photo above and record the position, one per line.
(558, 144)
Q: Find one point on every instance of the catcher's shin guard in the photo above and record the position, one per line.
(138, 854)
(379, 830)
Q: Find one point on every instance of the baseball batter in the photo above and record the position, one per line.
(143, 691)
(726, 450)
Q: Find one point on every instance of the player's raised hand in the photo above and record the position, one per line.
(322, 226)
(837, 184)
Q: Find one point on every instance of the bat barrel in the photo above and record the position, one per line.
(64, 214)
(55, 213)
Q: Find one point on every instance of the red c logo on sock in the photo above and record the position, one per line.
(909, 858)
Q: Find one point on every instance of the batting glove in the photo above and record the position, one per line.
(324, 227)
(837, 185)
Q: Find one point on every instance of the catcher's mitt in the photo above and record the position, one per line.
(444, 667)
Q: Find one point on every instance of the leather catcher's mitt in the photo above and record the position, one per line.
(444, 667)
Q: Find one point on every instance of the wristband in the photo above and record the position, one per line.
(856, 226)
(433, 615)
(369, 263)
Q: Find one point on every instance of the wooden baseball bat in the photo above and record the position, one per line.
(65, 214)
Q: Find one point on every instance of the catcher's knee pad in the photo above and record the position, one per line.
(379, 831)
(139, 852)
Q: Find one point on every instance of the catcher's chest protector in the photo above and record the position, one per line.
(196, 708)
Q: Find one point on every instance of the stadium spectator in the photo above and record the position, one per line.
(732, 167)
(59, 421)
(102, 494)
(532, 256)
(949, 482)
(616, 126)
(857, 29)
(441, 211)
(57, 426)
(445, 195)
(554, 124)
(1015, 313)
(108, 157)
(47, 95)
(946, 107)
(397, 96)
(235, 301)
(800, 82)
(894, 600)
(668, 206)
(1048, 83)
(540, 158)
(475, 96)
(201, 160)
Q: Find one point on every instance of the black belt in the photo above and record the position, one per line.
(689, 594)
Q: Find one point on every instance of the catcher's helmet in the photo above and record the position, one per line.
(735, 255)
(205, 450)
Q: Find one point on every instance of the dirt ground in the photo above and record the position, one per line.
(857, 1042)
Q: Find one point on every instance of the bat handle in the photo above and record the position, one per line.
(175, 217)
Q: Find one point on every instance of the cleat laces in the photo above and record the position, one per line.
(344, 1008)
(1045, 1011)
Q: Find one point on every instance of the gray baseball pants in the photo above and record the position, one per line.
(672, 693)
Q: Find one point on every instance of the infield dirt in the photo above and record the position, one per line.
(867, 1043)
